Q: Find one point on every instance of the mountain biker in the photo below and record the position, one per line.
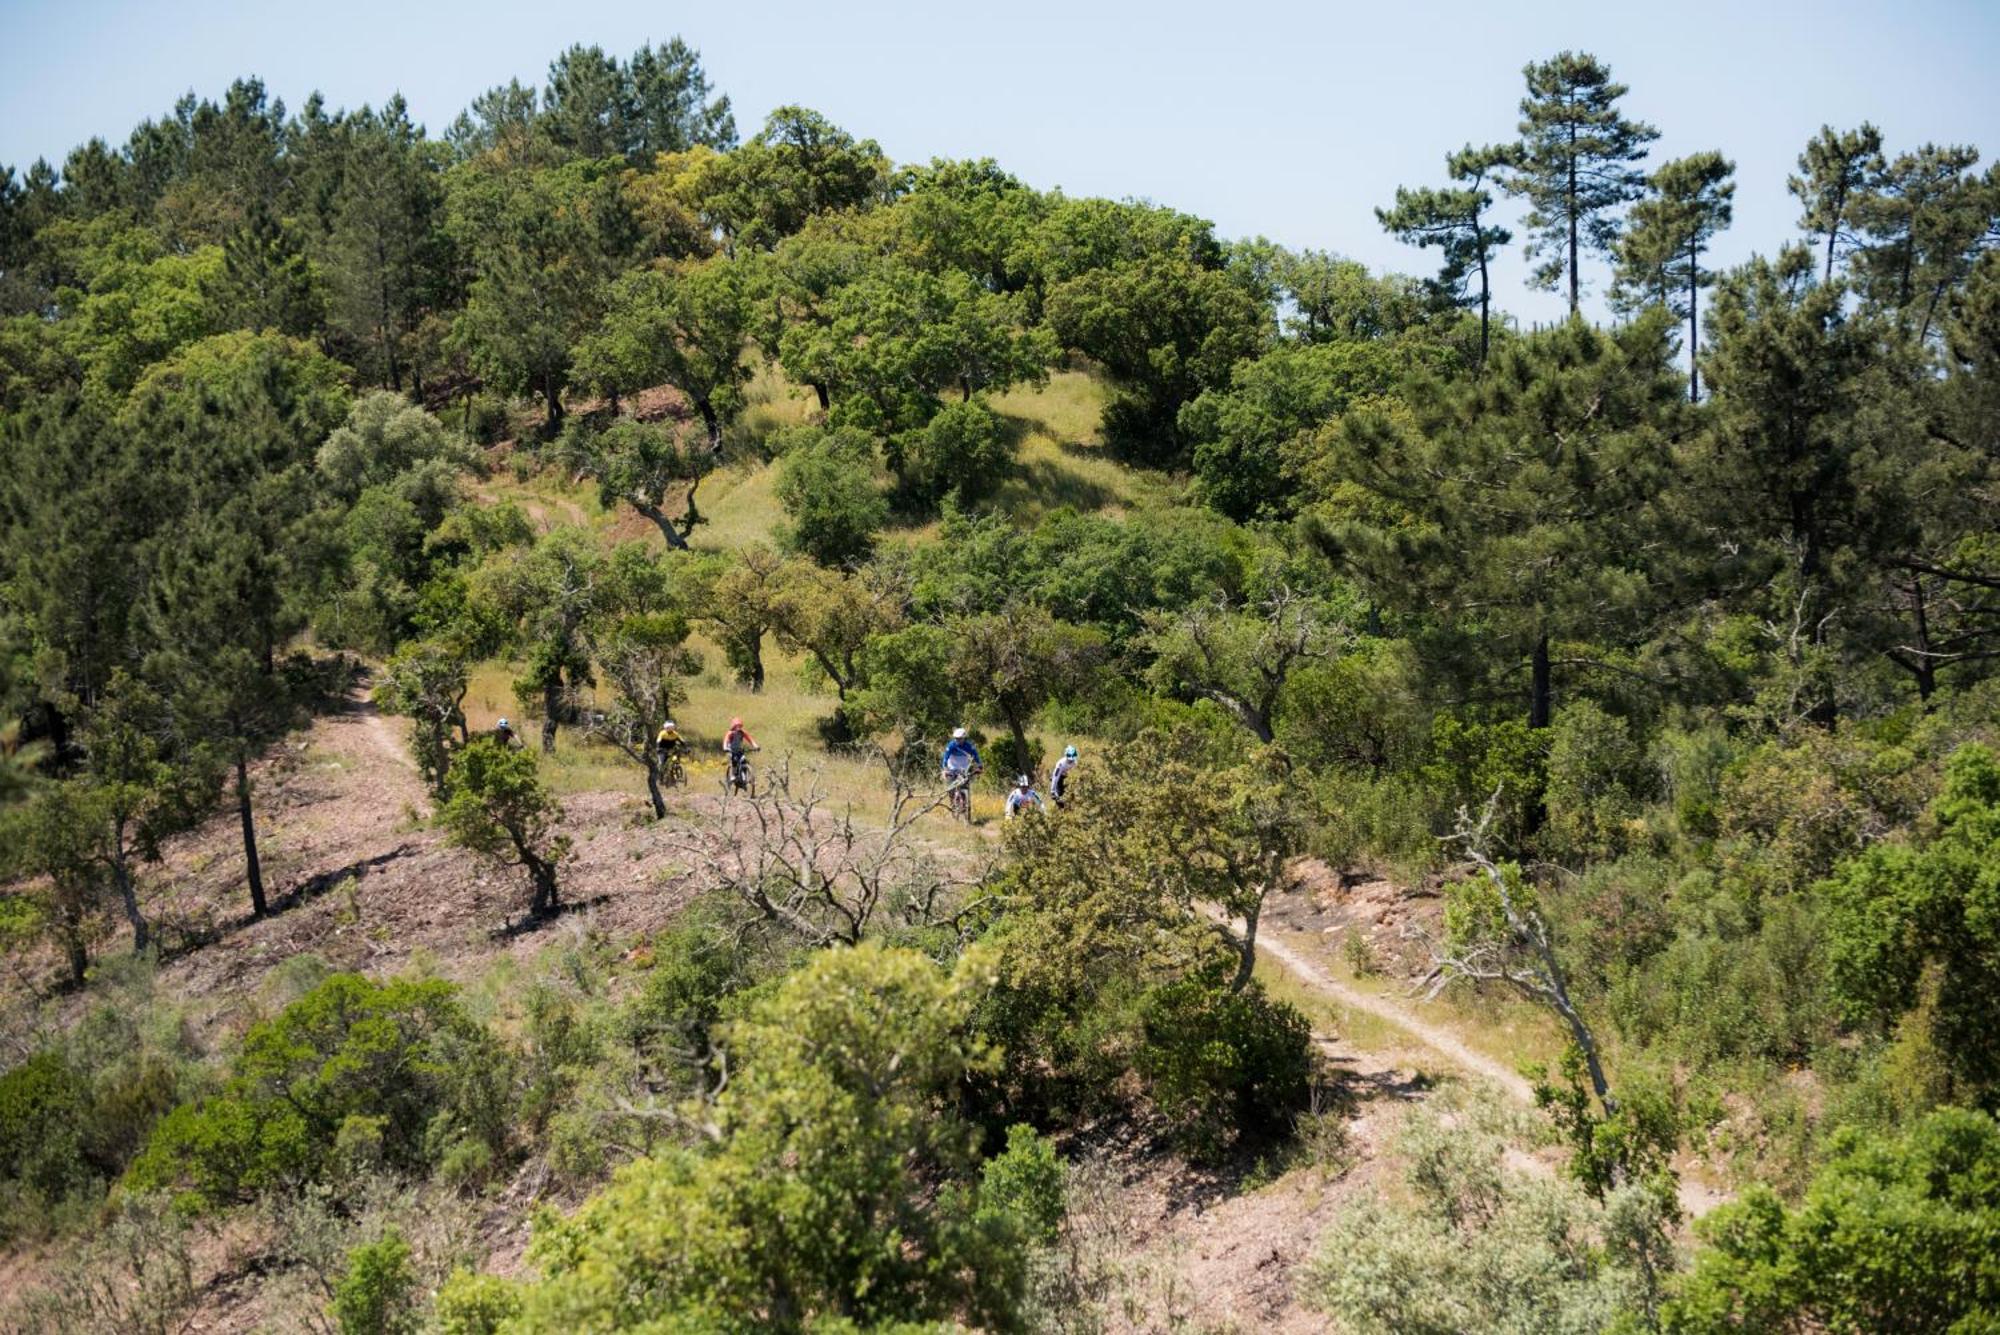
(669, 743)
(1059, 776)
(961, 760)
(735, 743)
(1023, 796)
(738, 740)
(503, 733)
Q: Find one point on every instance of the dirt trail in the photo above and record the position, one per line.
(383, 734)
(1441, 1041)
(1697, 1197)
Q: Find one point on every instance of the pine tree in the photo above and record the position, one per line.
(1925, 223)
(671, 107)
(1660, 257)
(1456, 221)
(214, 601)
(1836, 170)
(385, 255)
(1515, 508)
(269, 282)
(1573, 164)
(587, 108)
(1781, 471)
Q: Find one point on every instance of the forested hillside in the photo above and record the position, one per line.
(1532, 787)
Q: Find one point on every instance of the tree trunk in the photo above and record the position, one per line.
(653, 785)
(825, 401)
(1246, 961)
(1574, 289)
(1541, 689)
(546, 897)
(77, 952)
(1020, 734)
(713, 422)
(1694, 325)
(692, 516)
(1923, 666)
(552, 393)
(551, 711)
(1257, 720)
(839, 682)
(128, 894)
(1485, 301)
(255, 871)
(755, 647)
(660, 521)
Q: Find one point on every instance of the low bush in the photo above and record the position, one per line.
(378, 1293)
(1894, 1234)
(1222, 1065)
(398, 1064)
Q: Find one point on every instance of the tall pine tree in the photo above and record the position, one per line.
(1660, 257)
(1457, 221)
(1574, 165)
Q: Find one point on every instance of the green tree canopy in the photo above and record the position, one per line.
(1574, 164)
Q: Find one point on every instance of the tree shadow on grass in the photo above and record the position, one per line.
(188, 937)
(530, 923)
(314, 886)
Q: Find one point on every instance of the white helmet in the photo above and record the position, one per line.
(668, 724)
(958, 734)
(1022, 781)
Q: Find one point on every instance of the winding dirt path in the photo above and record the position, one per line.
(1439, 1040)
(1697, 1196)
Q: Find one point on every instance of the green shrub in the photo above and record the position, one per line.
(1221, 1065)
(965, 448)
(1894, 1234)
(378, 1294)
(470, 1304)
(826, 482)
(402, 1053)
(1597, 779)
(1635, 1143)
(1024, 1183)
(74, 1113)
(1710, 998)
(813, 1202)
(497, 805)
(1469, 761)
(43, 1104)
(1477, 1247)
(1900, 911)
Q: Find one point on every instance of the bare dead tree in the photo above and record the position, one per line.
(796, 862)
(1508, 941)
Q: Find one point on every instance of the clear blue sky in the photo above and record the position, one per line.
(1290, 120)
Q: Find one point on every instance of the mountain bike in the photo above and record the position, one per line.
(959, 794)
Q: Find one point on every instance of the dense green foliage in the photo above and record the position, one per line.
(1895, 1233)
(351, 1069)
(1681, 633)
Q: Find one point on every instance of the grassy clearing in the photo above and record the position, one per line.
(1060, 461)
(783, 718)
